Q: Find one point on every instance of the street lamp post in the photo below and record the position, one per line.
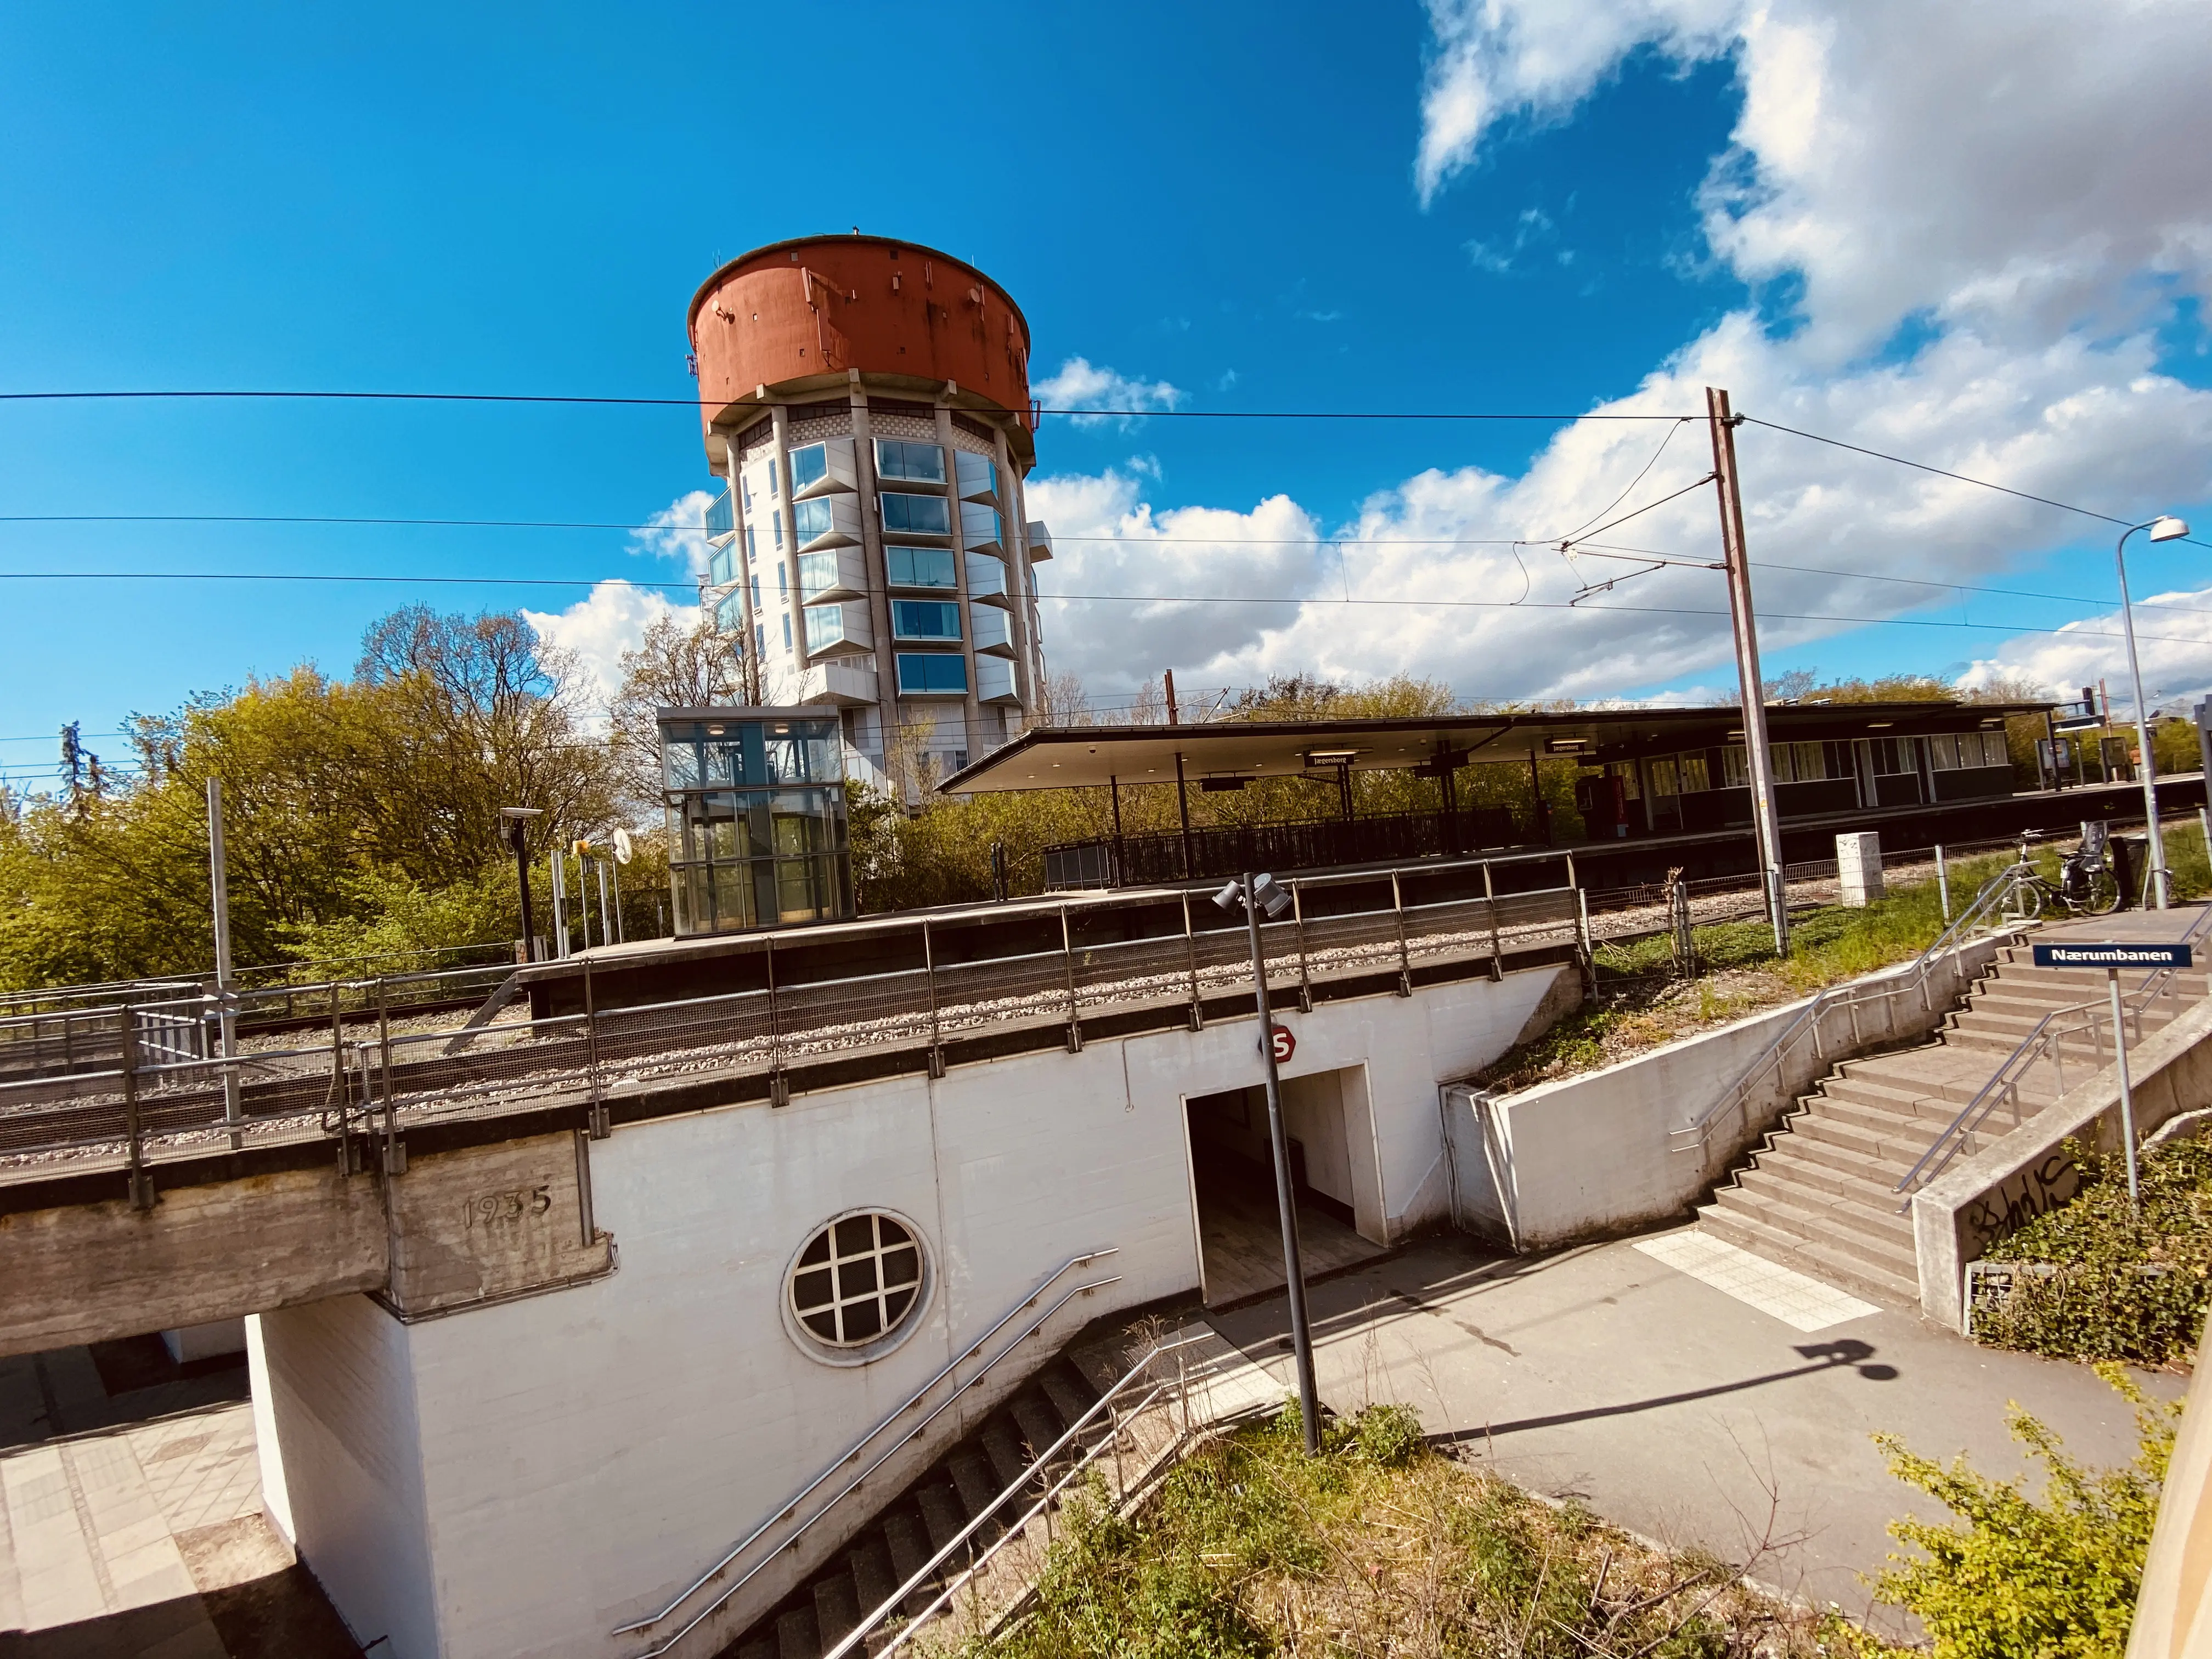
(1257, 894)
(518, 821)
(2163, 528)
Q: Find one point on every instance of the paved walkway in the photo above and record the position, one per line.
(149, 1542)
(1718, 1410)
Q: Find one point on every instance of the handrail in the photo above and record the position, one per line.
(854, 1451)
(2005, 1080)
(1693, 1136)
(861, 1631)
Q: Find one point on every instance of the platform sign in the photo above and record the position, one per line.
(1285, 1045)
(2112, 956)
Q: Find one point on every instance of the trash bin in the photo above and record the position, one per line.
(2130, 858)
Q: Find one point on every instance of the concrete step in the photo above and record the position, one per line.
(1040, 1425)
(869, 1561)
(1829, 1214)
(1070, 1394)
(973, 1479)
(1883, 1117)
(837, 1609)
(1887, 1147)
(1832, 1167)
(1814, 1260)
(2020, 1024)
(1001, 1442)
(942, 1513)
(908, 1542)
(1826, 1228)
(796, 1637)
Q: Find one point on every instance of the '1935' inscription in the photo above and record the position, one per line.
(507, 1208)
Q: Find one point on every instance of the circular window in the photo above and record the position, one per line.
(857, 1282)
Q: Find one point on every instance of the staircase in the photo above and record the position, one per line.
(1820, 1194)
(924, 1519)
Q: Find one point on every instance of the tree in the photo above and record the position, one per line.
(673, 667)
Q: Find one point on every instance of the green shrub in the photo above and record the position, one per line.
(2100, 1302)
(2056, 1579)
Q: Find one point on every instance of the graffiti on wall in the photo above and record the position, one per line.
(2051, 1181)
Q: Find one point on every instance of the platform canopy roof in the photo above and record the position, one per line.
(1075, 757)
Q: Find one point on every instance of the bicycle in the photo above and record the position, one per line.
(2087, 884)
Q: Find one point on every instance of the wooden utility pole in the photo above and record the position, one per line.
(1759, 759)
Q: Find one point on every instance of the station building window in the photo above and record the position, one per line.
(916, 515)
(857, 1285)
(921, 567)
(925, 619)
(910, 463)
(931, 674)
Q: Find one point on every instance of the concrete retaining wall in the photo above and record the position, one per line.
(2020, 1175)
(1595, 1154)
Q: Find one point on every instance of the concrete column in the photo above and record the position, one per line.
(781, 507)
(1016, 543)
(1858, 868)
(871, 554)
(971, 725)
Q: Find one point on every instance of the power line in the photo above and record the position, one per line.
(249, 395)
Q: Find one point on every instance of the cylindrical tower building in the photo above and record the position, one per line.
(868, 401)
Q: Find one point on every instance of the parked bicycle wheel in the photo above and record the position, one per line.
(2103, 897)
(2025, 902)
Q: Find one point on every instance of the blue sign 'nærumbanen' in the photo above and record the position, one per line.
(2106, 954)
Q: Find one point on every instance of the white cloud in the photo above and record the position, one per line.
(678, 531)
(2022, 166)
(1497, 255)
(597, 629)
(2072, 421)
(2022, 180)
(1081, 384)
(2174, 641)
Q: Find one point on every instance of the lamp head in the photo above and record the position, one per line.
(1269, 893)
(1228, 896)
(2166, 528)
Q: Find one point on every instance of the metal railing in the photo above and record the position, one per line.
(859, 1448)
(373, 1059)
(2044, 1044)
(1039, 1473)
(1806, 1028)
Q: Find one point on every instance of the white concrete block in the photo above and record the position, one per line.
(207, 1341)
(1858, 867)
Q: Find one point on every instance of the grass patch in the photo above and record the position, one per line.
(2126, 1285)
(1642, 1004)
(1381, 1545)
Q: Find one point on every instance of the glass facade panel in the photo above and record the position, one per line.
(768, 846)
(914, 463)
(721, 569)
(925, 673)
(925, 619)
(818, 574)
(916, 515)
(978, 523)
(825, 627)
(979, 474)
(771, 476)
(730, 614)
(810, 520)
(808, 464)
(921, 567)
(721, 520)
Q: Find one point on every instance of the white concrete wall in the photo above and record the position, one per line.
(2014, 1178)
(1595, 1154)
(342, 1387)
(584, 1455)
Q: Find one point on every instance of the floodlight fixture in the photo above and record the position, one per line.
(1229, 898)
(1268, 894)
(2168, 528)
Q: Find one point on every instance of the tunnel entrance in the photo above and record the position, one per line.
(1333, 1167)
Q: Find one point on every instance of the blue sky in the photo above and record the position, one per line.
(1524, 207)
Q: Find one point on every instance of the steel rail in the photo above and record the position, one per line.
(858, 1446)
